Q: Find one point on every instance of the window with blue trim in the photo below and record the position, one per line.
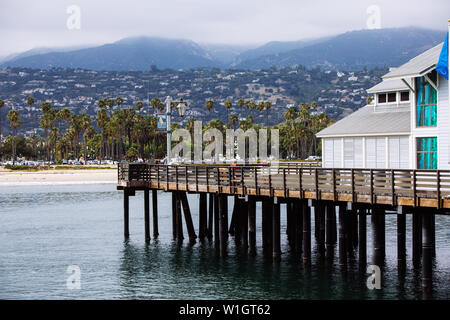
(427, 153)
(426, 102)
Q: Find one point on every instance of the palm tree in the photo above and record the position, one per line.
(209, 106)
(157, 105)
(2, 104)
(102, 121)
(241, 104)
(234, 119)
(139, 105)
(30, 102)
(228, 104)
(267, 106)
(14, 123)
(86, 126)
(46, 124)
(119, 101)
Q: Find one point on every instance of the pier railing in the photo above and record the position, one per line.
(426, 188)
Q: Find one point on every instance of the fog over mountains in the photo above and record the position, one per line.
(353, 50)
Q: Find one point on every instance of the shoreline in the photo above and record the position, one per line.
(58, 177)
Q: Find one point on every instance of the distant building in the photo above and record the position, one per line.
(405, 127)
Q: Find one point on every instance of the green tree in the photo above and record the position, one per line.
(2, 104)
(209, 105)
(14, 123)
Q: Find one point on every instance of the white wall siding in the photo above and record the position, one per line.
(353, 153)
(398, 152)
(369, 152)
(332, 153)
(443, 115)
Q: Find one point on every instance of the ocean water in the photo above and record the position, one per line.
(45, 229)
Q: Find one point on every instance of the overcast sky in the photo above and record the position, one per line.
(26, 24)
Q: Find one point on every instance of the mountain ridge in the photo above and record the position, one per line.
(351, 50)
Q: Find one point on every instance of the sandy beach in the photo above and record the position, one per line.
(58, 177)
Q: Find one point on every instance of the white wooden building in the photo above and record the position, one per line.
(405, 127)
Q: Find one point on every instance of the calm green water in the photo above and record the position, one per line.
(45, 229)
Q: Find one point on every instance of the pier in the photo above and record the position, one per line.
(341, 199)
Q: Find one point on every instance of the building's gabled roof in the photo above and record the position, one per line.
(388, 85)
(367, 122)
(417, 66)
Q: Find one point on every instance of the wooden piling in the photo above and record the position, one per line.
(233, 221)
(401, 242)
(147, 214)
(174, 214)
(298, 220)
(223, 224)
(179, 219)
(276, 246)
(155, 213)
(216, 222)
(187, 216)
(342, 238)
(377, 222)
(243, 214)
(252, 224)
(427, 251)
(267, 223)
(202, 216)
(126, 213)
(237, 221)
(210, 217)
(362, 239)
(329, 243)
(306, 233)
(416, 236)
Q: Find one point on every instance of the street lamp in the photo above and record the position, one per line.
(181, 107)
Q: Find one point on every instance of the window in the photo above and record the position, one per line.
(427, 153)
(382, 98)
(426, 102)
(387, 97)
(404, 96)
(392, 97)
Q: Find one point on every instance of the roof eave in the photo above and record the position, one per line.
(409, 75)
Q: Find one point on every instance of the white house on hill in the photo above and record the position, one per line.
(405, 127)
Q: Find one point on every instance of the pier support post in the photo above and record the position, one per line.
(319, 215)
(276, 252)
(329, 208)
(416, 236)
(216, 221)
(210, 216)
(298, 219)
(252, 224)
(289, 222)
(223, 224)
(147, 214)
(174, 214)
(377, 221)
(306, 233)
(155, 213)
(202, 216)
(179, 219)
(126, 212)
(232, 228)
(427, 251)
(267, 211)
(243, 220)
(187, 216)
(349, 230)
(236, 219)
(342, 237)
(401, 241)
(362, 239)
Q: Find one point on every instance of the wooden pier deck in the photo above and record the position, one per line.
(414, 188)
(342, 200)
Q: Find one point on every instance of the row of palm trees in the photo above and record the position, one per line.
(125, 133)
